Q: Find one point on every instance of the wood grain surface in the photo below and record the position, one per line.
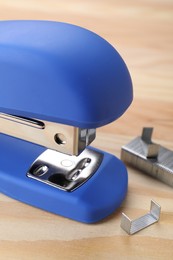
(142, 31)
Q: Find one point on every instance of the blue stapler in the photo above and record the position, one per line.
(58, 83)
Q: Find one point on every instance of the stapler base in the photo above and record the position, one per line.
(97, 198)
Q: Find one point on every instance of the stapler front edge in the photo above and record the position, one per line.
(58, 83)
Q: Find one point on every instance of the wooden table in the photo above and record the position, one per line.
(142, 31)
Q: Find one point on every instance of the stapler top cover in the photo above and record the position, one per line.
(62, 73)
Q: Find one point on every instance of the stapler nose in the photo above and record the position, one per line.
(59, 83)
(63, 138)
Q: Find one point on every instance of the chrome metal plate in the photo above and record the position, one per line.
(62, 138)
(63, 171)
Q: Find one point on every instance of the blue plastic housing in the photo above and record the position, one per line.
(102, 194)
(61, 73)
